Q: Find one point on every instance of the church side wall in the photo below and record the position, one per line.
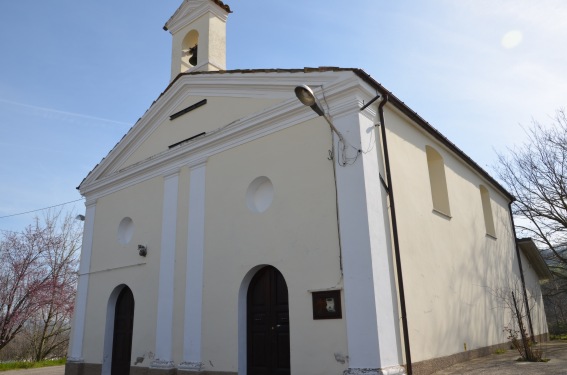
(535, 298)
(452, 268)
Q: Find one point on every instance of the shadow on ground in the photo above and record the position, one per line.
(506, 364)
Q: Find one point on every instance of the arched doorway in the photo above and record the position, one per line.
(122, 335)
(268, 324)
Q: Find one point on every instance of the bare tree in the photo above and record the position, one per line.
(508, 298)
(536, 174)
(37, 283)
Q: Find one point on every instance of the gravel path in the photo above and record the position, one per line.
(506, 364)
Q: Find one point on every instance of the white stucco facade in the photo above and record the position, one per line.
(228, 173)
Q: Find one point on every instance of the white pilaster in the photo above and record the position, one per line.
(78, 331)
(194, 282)
(164, 329)
(369, 284)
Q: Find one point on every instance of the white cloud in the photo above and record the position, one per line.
(54, 113)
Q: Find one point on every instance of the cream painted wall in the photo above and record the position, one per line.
(300, 224)
(450, 266)
(217, 44)
(535, 297)
(113, 264)
(217, 113)
(297, 235)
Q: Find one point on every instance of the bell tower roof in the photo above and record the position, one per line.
(191, 6)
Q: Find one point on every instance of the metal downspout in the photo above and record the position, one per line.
(390, 192)
(521, 272)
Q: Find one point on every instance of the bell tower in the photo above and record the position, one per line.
(198, 28)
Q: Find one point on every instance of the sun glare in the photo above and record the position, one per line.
(512, 38)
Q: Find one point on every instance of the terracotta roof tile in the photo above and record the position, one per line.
(222, 5)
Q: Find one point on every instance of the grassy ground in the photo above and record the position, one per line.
(21, 365)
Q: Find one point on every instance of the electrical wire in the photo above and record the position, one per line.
(42, 209)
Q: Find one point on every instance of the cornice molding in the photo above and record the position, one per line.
(257, 85)
(198, 163)
(186, 14)
(195, 152)
(199, 68)
(90, 201)
(173, 172)
(346, 97)
(342, 95)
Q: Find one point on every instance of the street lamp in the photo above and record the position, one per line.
(308, 98)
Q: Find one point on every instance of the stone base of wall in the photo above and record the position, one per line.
(159, 371)
(79, 368)
(74, 368)
(419, 368)
(431, 365)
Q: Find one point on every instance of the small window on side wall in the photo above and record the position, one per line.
(487, 211)
(439, 193)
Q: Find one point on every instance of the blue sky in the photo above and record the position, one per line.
(76, 75)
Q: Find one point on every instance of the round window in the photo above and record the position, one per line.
(260, 194)
(125, 230)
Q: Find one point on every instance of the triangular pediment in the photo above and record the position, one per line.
(190, 10)
(203, 105)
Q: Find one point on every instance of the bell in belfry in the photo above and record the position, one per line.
(193, 58)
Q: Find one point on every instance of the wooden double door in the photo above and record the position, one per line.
(268, 324)
(122, 338)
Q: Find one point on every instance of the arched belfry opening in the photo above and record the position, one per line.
(198, 29)
(190, 47)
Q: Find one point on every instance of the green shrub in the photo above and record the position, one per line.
(23, 365)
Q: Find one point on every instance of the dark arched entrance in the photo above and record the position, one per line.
(122, 337)
(268, 324)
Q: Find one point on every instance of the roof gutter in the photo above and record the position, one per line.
(402, 107)
(531, 252)
(390, 191)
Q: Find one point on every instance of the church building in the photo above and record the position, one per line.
(290, 221)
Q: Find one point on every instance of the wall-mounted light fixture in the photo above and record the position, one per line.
(308, 98)
(142, 250)
(80, 217)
